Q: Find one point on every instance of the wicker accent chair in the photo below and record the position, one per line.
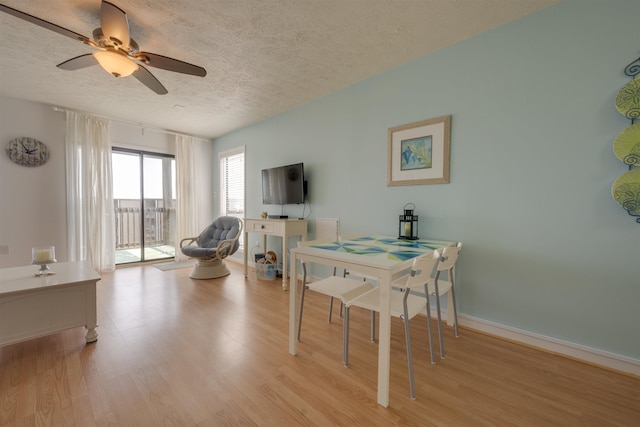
(212, 246)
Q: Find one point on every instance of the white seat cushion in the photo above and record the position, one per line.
(340, 287)
(371, 301)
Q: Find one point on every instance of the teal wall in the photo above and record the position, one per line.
(547, 249)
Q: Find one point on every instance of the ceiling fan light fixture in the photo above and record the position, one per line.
(118, 53)
(114, 63)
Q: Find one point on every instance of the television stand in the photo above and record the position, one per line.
(278, 216)
(283, 228)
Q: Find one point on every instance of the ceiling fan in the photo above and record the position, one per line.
(117, 52)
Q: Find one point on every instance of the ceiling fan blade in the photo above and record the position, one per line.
(115, 24)
(149, 80)
(82, 61)
(44, 24)
(170, 64)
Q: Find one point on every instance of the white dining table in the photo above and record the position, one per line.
(378, 256)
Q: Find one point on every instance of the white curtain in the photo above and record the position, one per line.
(90, 210)
(188, 149)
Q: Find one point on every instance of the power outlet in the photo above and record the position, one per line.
(4, 249)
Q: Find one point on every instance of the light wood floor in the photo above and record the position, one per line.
(175, 351)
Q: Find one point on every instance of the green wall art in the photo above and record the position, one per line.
(626, 146)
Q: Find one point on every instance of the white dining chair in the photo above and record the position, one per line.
(404, 304)
(438, 287)
(342, 288)
(329, 229)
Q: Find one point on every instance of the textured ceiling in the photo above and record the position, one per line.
(262, 57)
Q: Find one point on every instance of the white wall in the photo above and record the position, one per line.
(547, 249)
(33, 200)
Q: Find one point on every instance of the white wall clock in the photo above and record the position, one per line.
(27, 151)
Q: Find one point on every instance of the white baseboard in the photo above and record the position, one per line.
(583, 353)
(575, 351)
(237, 261)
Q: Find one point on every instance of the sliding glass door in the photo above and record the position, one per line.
(144, 203)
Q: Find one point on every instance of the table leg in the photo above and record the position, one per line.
(285, 248)
(384, 345)
(92, 335)
(92, 313)
(292, 304)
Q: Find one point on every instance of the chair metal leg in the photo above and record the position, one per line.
(439, 319)
(433, 360)
(407, 335)
(455, 312)
(330, 308)
(345, 338)
(304, 287)
(344, 274)
(373, 326)
(453, 303)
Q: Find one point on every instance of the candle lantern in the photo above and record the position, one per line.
(408, 224)
(43, 256)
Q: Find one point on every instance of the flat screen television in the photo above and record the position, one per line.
(283, 185)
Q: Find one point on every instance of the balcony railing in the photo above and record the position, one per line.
(158, 227)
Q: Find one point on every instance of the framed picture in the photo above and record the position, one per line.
(418, 153)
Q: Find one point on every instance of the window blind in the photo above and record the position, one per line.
(232, 183)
